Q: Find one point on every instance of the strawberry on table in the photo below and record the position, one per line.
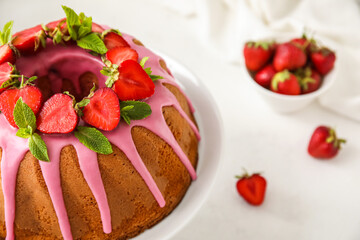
(133, 82)
(288, 56)
(29, 40)
(252, 188)
(58, 115)
(257, 54)
(285, 83)
(113, 39)
(324, 143)
(103, 111)
(264, 76)
(30, 95)
(118, 55)
(323, 60)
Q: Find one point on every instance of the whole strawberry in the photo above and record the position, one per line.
(285, 83)
(324, 143)
(323, 60)
(305, 43)
(257, 54)
(264, 76)
(311, 81)
(252, 188)
(288, 56)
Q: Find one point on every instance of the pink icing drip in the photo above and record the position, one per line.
(51, 174)
(42, 64)
(13, 151)
(90, 167)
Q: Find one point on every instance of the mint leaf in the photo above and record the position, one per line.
(83, 31)
(5, 35)
(93, 139)
(38, 148)
(155, 77)
(148, 70)
(23, 115)
(25, 132)
(72, 19)
(134, 110)
(92, 42)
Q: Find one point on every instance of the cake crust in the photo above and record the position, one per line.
(132, 206)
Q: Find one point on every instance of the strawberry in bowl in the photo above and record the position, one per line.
(289, 74)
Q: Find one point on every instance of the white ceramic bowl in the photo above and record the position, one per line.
(291, 103)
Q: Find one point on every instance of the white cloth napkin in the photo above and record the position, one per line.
(225, 25)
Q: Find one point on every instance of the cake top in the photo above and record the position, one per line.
(128, 84)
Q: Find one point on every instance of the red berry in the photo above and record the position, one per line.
(54, 24)
(324, 144)
(113, 40)
(311, 82)
(6, 70)
(30, 95)
(103, 111)
(288, 56)
(28, 41)
(133, 83)
(285, 83)
(118, 55)
(97, 28)
(7, 54)
(257, 54)
(57, 115)
(252, 188)
(264, 76)
(323, 60)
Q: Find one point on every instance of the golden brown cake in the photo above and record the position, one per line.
(80, 193)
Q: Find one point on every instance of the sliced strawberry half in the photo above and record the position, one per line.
(6, 70)
(28, 41)
(133, 83)
(103, 111)
(113, 40)
(118, 55)
(7, 54)
(97, 28)
(30, 95)
(58, 115)
(54, 24)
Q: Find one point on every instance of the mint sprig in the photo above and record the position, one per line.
(148, 70)
(134, 110)
(80, 30)
(93, 139)
(5, 34)
(26, 121)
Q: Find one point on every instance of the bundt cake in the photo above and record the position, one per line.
(97, 141)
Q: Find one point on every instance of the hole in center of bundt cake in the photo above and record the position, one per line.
(63, 68)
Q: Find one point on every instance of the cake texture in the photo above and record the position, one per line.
(78, 192)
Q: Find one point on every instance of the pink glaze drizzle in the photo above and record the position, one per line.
(58, 62)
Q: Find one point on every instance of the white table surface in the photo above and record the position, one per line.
(305, 199)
